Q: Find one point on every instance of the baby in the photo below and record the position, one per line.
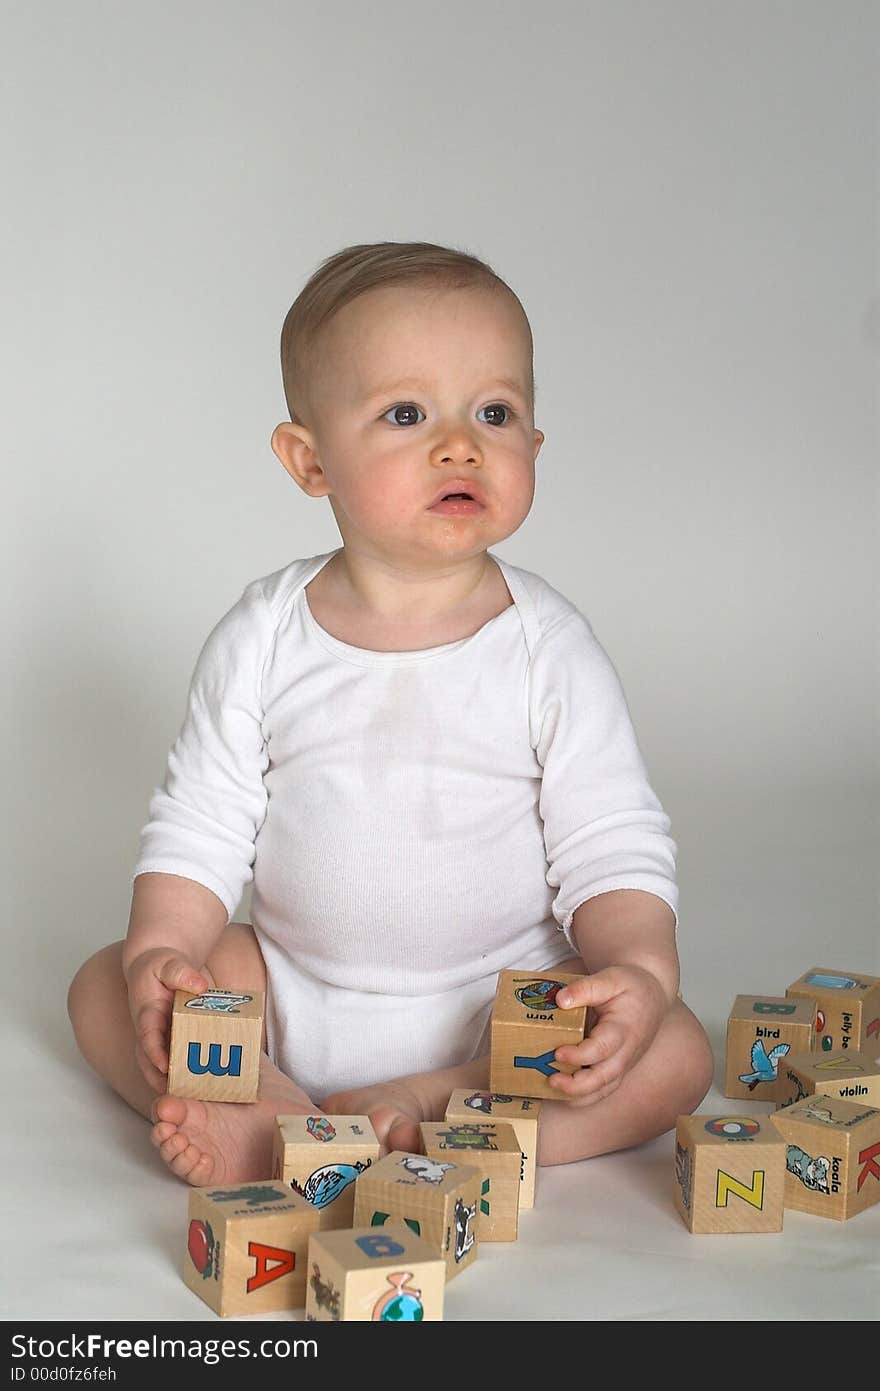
(421, 757)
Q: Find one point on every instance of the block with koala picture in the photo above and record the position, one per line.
(832, 1155)
(437, 1199)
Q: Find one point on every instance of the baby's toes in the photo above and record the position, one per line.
(404, 1134)
(339, 1104)
(394, 1130)
(172, 1145)
(161, 1132)
(169, 1108)
(187, 1164)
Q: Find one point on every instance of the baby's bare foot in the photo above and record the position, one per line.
(394, 1109)
(221, 1141)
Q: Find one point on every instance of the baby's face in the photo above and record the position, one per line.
(418, 389)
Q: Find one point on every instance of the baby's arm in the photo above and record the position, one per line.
(198, 846)
(173, 925)
(627, 941)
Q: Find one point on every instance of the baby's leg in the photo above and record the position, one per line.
(202, 1142)
(669, 1080)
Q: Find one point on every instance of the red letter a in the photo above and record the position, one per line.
(284, 1263)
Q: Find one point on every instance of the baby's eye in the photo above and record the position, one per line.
(499, 406)
(401, 409)
(410, 406)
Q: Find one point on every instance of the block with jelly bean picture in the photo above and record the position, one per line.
(847, 1008)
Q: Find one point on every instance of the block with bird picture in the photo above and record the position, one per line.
(762, 1030)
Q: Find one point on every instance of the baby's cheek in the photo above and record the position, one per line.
(386, 507)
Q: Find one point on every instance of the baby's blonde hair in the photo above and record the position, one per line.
(349, 273)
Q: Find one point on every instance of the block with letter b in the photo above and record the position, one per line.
(246, 1247)
(214, 1054)
(438, 1201)
(374, 1275)
(729, 1173)
(762, 1030)
(527, 1026)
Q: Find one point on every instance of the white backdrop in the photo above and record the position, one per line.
(685, 198)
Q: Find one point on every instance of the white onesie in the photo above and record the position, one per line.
(412, 821)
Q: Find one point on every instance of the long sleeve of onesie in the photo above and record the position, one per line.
(604, 828)
(205, 818)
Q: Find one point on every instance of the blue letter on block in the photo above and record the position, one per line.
(378, 1246)
(543, 1063)
(213, 1065)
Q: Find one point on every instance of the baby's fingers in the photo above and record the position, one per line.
(151, 1028)
(598, 1047)
(597, 989)
(155, 1079)
(589, 1083)
(600, 1062)
(179, 974)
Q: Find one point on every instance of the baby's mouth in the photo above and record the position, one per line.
(457, 505)
(457, 493)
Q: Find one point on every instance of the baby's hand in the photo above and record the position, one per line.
(630, 1005)
(152, 980)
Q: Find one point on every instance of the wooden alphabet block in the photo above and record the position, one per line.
(215, 1045)
(247, 1247)
(374, 1274)
(527, 1026)
(437, 1200)
(761, 1031)
(847, 1008)
(832, 1155)
(522, 1112)
(320, 1157)
(844, 1073)
(493, 1149)
(729, 1173)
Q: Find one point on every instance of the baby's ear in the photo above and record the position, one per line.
(282, 441)
(294, 446)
